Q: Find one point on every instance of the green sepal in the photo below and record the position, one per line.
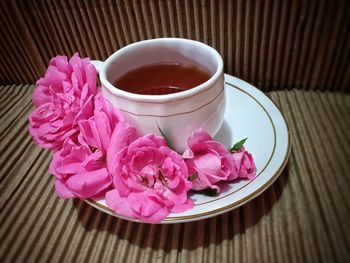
(238, 145)
(167, 139)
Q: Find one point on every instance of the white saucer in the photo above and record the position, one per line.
(249, 113)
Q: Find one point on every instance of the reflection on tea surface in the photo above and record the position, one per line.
(162, 78)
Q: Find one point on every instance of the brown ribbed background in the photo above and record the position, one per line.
(272, 44)
(303, 217)
(296, 51)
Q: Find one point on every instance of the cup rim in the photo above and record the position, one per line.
(166, 97)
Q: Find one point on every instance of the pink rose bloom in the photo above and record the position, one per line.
(80, 167)
(244, 163)
(62, 98)
(80, 171)
(208, 161)
(97, 130)
(150, 179)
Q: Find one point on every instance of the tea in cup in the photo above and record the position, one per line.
(173, 84)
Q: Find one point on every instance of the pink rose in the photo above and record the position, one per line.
(97, 130)
(150, 179)
(62, 98)
(208, 161)
(80, 167)
(80, 171)
(244, 163)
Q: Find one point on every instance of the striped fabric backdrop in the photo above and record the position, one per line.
(272, 44)
(302, 217)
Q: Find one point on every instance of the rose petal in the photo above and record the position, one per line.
(179, 208)
(71, 168)
(90, 133)
(149, 176)
(122, 136)
(89, 184)
(62, 190)
(104, 128)
(40, 96)
(118, 204)
(62, 97)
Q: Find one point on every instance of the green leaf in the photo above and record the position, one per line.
(238, 145)
(193, 177)
(167, 139)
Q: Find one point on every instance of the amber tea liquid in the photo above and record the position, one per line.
(162, 78)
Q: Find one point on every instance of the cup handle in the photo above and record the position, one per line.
(98, 65)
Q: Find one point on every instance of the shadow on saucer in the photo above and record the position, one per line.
(189, 235)
(224, 135)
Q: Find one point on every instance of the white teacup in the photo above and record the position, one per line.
(177, 114)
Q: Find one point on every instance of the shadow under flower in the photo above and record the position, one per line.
(189, 235)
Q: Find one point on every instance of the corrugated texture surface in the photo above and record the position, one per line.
(302, 217)
(271, 44)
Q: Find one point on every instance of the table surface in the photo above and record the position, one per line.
(303, 217)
